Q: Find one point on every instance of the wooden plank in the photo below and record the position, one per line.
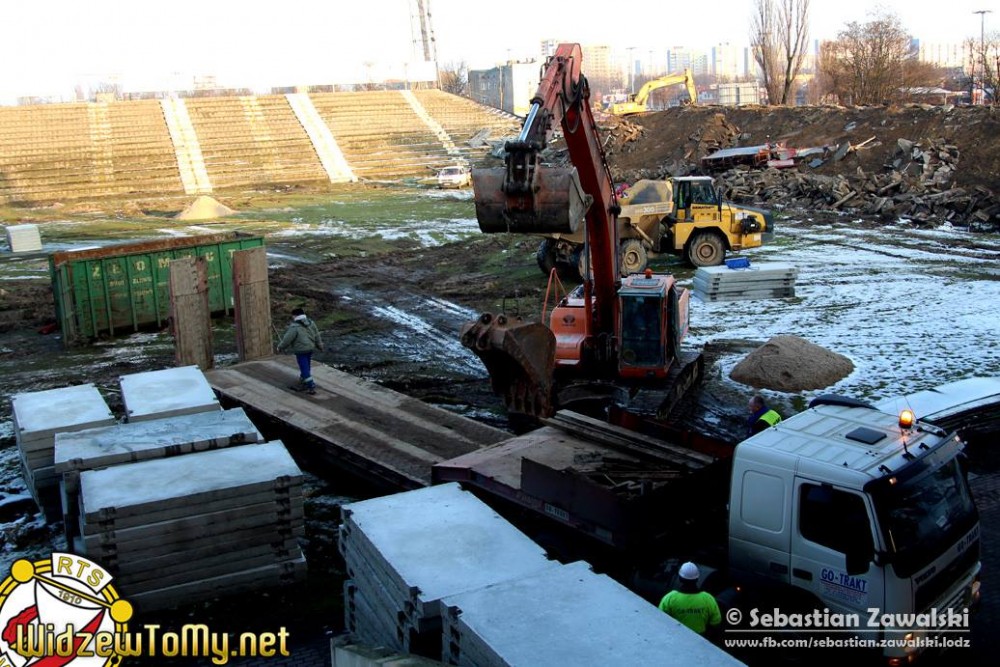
(366, 427)
(252, 304)
(190, 313)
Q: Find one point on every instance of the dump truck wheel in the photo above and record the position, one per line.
(546, 255)
(633, 257)
(705, 249)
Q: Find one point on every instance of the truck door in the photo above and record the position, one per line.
(828, 524)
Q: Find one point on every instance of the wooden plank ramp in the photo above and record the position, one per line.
(377, 433)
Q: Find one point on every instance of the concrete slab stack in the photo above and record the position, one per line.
(190, 527)
(567, 616)
(407, 551)
(167, 393)
(766, 280)
(95, 448)
(24, 238)
(38, 417)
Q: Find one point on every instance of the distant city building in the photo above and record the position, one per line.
(728, 61)
(944, 55)
(509, 87)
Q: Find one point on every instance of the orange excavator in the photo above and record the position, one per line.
(612, 340)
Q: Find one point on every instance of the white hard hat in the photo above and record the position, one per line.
(689, 571)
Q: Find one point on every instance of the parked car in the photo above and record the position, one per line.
(456, 176)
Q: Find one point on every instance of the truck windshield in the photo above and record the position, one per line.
(923, 514)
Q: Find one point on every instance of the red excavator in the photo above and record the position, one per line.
(612, 340)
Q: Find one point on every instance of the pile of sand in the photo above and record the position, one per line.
(204, 208)
(790, 363)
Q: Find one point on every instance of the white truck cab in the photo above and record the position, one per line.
(858, 512)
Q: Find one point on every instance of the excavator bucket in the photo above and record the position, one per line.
(520, 358)
(555, 204)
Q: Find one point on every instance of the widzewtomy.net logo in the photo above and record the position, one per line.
(61, 611)
(64, 611)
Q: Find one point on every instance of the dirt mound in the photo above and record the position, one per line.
(204, 208)
(790, 363)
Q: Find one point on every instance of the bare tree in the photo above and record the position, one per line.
(779, 33)
(870, 63)
(454, 78)
(984, 63)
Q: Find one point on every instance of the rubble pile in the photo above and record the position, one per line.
(885, 162)
(917, 186)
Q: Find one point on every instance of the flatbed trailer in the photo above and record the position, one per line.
(605, 482)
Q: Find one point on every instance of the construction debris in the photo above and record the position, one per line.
(917, 187)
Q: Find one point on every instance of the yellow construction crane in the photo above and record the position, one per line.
(637, 104)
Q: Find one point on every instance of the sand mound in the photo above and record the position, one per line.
(204, 208)
(790, 363)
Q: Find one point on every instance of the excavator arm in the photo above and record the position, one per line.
(529, 197)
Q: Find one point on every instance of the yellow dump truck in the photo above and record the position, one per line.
(683, 216)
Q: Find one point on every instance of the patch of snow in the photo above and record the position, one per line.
(428, 233)
(433, 342)
(898, 311)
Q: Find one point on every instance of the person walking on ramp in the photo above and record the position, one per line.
(302, 338)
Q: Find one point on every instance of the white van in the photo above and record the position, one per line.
(456, 176)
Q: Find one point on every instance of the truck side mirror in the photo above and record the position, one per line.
(858, 559)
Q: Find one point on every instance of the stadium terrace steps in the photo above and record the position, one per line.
(87, 150)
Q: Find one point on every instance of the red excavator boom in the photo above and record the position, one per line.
(583, 340)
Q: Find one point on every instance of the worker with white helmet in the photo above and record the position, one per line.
(694, 608)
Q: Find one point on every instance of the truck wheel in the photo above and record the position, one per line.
(632, 258)
(705, 250)
(546, 255)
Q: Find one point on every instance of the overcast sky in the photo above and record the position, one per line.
(46, 44)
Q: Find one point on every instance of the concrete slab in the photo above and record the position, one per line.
(442, 540)
(111, 519)
(167, 392)
(779, 293)
(156, 438)
(186, 480)
(571, 616)
(760, 270)
(40, 415)
(257, 578)
(178, 534)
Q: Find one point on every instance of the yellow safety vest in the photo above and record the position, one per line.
(771, 417)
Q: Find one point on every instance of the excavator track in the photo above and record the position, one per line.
(660, 401)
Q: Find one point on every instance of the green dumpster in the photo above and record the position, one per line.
(126, 287)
